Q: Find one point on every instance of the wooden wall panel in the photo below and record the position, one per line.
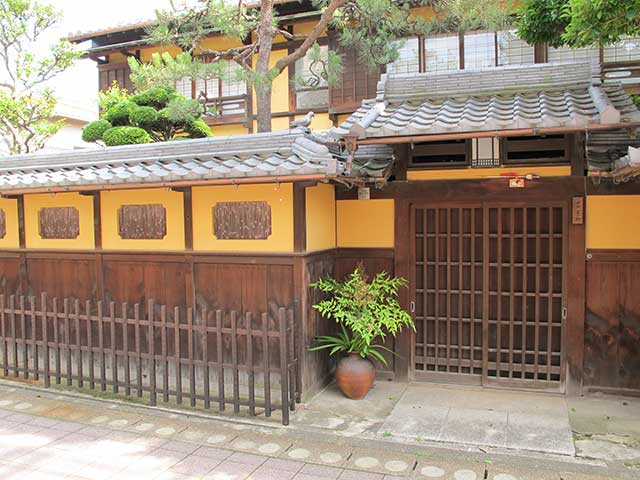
(72, 276)
(612, 328)
(10, 274)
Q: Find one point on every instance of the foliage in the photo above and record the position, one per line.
(125, 136)
(578, 23)
(26, 106)
(114, 94)
(372, 28)
(95, 130)
(153, 115)
(466, 15)
(636, 100)
(365, 311)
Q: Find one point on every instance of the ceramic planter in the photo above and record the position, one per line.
(355, 376)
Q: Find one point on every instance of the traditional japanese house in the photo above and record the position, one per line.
(493, 175)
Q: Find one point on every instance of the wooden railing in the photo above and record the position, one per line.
(220, 357)
(231, 108)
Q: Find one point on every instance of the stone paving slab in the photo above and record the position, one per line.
(47, 446)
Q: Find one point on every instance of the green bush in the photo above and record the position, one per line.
(157, 97)
(198, 128)
(125, 136)
(95, 130)
(144, 117)
(119, 113)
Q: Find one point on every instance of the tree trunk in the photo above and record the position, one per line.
(263, 82)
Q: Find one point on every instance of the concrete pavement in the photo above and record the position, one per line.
(46, 435)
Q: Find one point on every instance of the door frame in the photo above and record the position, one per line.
(483, 379)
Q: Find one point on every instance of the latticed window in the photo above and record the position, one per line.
(408, 60)
(479, 50)
(228, 86)
(514, 51)
(312, 88)
(567, 54)
(626, 50)
(442, 52)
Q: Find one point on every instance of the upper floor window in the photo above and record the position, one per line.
(408, 60)
(230, 85)
(626, 50)
(479, 50)
(311, 85)
(567, 54)
(442, 52)
(512, 50)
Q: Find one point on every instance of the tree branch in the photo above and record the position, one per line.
(317, 31)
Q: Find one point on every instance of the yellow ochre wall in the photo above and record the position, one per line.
(10, 208)
(280, 199)
(365, 223)
(111, 201)
(320, 207)
(613, 221)
(469, 173)
(84, 204)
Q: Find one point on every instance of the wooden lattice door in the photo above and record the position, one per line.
(487, 287)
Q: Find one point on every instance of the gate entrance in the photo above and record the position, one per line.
(488, 294)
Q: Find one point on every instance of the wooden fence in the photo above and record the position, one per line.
(178, 354)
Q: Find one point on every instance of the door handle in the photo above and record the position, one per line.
(412, 306)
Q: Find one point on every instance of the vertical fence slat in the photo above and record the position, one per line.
(56, 337)
(234, 361)
(76, 312)
(165, 362)
(34, 339)
(67, 341)
(103, 367)
(152, 355)
(23, 331)
(192, 370)
(136, 323)
(293, 388)
(265, 365)
(220, 360)
(205, 357)
(45, 339)
(113, 345)
(125, 348)
(176, 325)
(250, 371)
(5, 344)
(284, 367)
(12, 315)
(89, 325)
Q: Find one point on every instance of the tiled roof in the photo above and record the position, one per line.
(604, 149)
(275, 154)
(504, 98)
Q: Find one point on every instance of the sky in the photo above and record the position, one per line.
(79, 84)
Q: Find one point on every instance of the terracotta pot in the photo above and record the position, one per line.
(355, 376)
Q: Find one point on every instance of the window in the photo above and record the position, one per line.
(626, 50)
(442, 53)
(479, 50)
(566, 54)
(514, 51)
(408, 60)
(228, 86)
(447, 153)
(312, 89)
(535, 150)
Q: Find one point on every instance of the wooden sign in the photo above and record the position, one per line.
(3, 223)
(57, 223)
(577, 210)
(242, 220)
(364, 193)
(142, 222)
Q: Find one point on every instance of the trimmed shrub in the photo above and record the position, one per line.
(95, 130)
(157, 97)
(144, 117)
(198, 128)
(125, 136)
(119, 113)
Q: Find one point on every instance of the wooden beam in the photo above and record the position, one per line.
(299, 217)
(402, 268)
(188, 218)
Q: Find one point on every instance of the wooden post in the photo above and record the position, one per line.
(402, 269)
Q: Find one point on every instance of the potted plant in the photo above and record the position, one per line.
(366, 312)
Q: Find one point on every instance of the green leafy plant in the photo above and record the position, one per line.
(366, 313)
(157, 114)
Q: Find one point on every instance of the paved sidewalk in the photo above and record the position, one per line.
(45, 435)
